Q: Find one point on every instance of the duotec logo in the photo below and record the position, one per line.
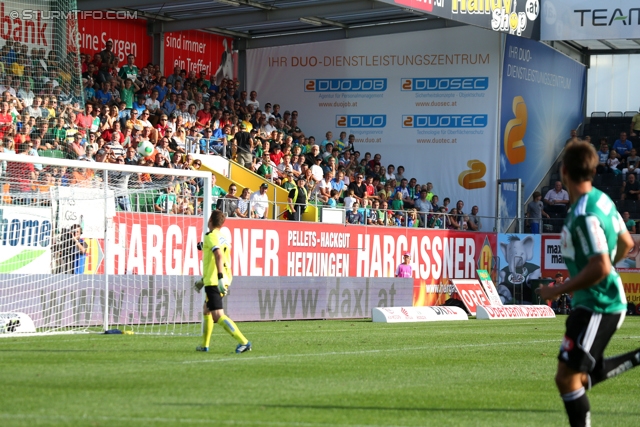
(514, 148)
(445, 83)
(361, 121)
(345, 85)
(445, 121)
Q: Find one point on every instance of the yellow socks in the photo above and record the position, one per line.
(231, 328)
(207, 328)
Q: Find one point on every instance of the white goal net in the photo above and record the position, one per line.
(87, 246)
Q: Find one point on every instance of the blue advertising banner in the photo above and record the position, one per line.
(519, 263)
(508, 204)
(542, 96)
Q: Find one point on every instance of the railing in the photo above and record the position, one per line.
(144, 201)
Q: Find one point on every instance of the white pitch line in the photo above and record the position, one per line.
(147, 420)
(361, 352)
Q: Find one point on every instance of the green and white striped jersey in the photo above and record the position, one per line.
(592, 227)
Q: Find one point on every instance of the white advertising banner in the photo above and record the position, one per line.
(25, 239)
(28, 23)
(427, 101)
(416, 314)
(515, 312)
(590, 20)
(86, 207)
(553, 255)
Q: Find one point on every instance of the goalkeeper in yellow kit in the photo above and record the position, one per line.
(216, 259)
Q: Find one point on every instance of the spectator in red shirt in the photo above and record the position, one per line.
(5, 119)
(108, 134)
(21, 175)
(371, 189)
(204, 116)
(277, 155)
(163, 126)
(85, 120)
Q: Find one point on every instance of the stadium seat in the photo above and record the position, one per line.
(608, 179)
(630, 206)
(545, 190)
(613, 192)
(630, 114)
(58, 154)
(597, 181)
(598, 118)
(614, 117)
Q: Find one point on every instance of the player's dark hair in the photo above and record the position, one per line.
(216, 219)
(580, 161)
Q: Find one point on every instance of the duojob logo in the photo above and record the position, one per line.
(445, 121)
(345, 85)
(361, 121)
(444, 83)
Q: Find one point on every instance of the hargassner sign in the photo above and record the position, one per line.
(517, 17)
(590, 19)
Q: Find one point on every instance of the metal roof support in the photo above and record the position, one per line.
(352, 32)
(278, 15)
(119, 4)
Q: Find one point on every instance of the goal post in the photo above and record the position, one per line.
(81, 249)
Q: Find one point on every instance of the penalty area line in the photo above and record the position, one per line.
(362, 352)
(173, 421)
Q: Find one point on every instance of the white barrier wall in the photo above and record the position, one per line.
(427, 101)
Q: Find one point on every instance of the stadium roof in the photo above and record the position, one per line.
(264, 23)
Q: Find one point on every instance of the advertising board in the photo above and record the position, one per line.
(506, 16)
(426, 101)
(542, 95)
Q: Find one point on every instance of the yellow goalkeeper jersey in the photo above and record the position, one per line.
(212, 241)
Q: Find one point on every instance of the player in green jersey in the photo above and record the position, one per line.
(216, 261)
(594, 239)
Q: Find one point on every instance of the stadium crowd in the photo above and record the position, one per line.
(115, 108)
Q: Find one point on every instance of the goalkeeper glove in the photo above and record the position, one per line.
(200, 246)
(198, 285)
(223, 284)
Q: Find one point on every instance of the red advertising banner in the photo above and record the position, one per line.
(472, 294)
(166, 245)
(197, 51)
(129, 36)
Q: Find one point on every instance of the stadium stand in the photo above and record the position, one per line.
(97, 109)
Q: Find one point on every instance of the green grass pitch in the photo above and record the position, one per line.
(308, 374)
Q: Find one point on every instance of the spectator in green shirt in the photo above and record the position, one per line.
(265, 170)
(631, 224)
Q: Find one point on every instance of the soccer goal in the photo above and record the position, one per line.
(88, 246)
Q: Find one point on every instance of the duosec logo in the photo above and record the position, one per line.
(514, 148)
(424, 84)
